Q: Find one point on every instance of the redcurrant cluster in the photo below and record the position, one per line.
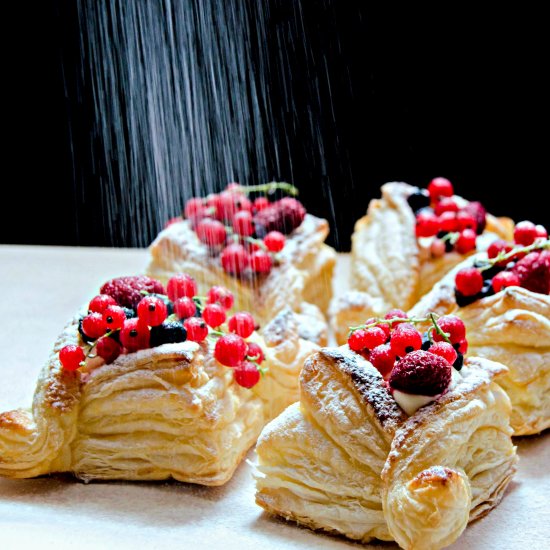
(114, 325)
(386, 342)
(245, 234)
(525, 263)
(439, 215)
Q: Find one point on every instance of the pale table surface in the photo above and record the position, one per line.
(42, 287)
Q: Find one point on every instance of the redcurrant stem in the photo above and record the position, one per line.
(502, 257)
(451, 237)
(437, 328)
(258, 242)
(390, 322)
(271, 187)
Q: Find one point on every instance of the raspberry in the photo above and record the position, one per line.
(533, 272)
(210, 232)
(261, 203)
(242, 223)
(504, 279)
(152, 311)
(214, 315)
(498, 246)
(196, 329)
(465, 220)
(230, 350)
(71, 356)
(283, 216)
(422, 373)
(466, 241)
(247, 374)
(220, 295)
(127, 291)
(193, 206)
(261, 262)
(383, 359)
(254, 352)
(427, 225)
(469, 281)
(437, 248)
(114, 317)
(274, 241)
(108, 349)
(242, 323)
(234, 259)
(445, 350)
(181, 285)
(541, 232)
(185, 307)
(446, 204)
(100, 303)
(440, 187)
(134, 334)
(93, 325)
(404, 339)
(525, 233)
(453, 326)
(368, 338)
(478, 212)
(448, 222)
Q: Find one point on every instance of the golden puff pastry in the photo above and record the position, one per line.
(513, 328)
(302, 280)
(167, 412)
(347, 460)
(390, 267)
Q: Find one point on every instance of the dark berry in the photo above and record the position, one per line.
(418, 199)
(170, 332)
(459, 362)
(478, 212)
(533, 272)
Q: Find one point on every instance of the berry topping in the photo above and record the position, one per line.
(469, 281)
(71, 356)
(466, 241)
(479, 214)
(234, 259)
(231, 202)
(134, 335)
(453, 327)
(260, 261)
(108, 349)
(421, 373)
(242, 323)
(247, 374)
(152, 311)
(395, 314)
(193, 207)
(261, 203)
(196, 328)
(284, 215)
(127, 291)
(254, 352)
(185, 307)
(541, 232)
(242, 223)
(504, 279)
(214, 315)
(448, 222)
(114, 317)
(497, 247)
(367, 338)
(220, 295)
(445, 350)
(385, 327)
(440, 187)
(525, 233)
(465, 220)
(427, 224)
(230, 350)
(461, 347)
(170, 332)
(93, 325)
(181, 285)
(405, 339)
(274, 241)
(101, 302)
(383, 359)
(533, 272)
(446, 204)
(212, 233)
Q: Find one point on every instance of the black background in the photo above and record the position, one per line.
(412, 95)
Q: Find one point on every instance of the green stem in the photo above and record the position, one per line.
(502, 257)
(437, 328)
(271, 187)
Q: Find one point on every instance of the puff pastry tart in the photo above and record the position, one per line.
(348, 459)
(158, 395)
(503, 298)
(269, 254)
(407, 241)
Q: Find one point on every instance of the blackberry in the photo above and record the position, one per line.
(419, 199)
(459, 362)
(170, 332)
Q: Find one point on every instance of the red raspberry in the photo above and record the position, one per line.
(383, 359)
(453, 326)
(196, 328)
(185, 307)
(254, 352)
(541, 232)
(127, 291)
(404, 339)
(448, 222)
(421, 373)
(108, 349)
(261, 203)
(533, 272)
(214, 315)
(261, 262)
(100, 303)
(478, 212)
(504, 279)
(230, 350)
(114, 317)
(242, 323)
(193, 206)
(181, 285)
(440, 187)
(466, 241)
(134, 334)
(152, 311)
(274, 241)
(71, 356)
(220, 295)
(234, 259)
(285, 216)
(465, 220)
(383, 326)
(498, 246)
(525, 233)
(212, 233)
(437, 248)
(247, 374)
(242, 223)
(427, 225)
(93, 325)
(445, 350)
(446, 204)
(469, 281)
